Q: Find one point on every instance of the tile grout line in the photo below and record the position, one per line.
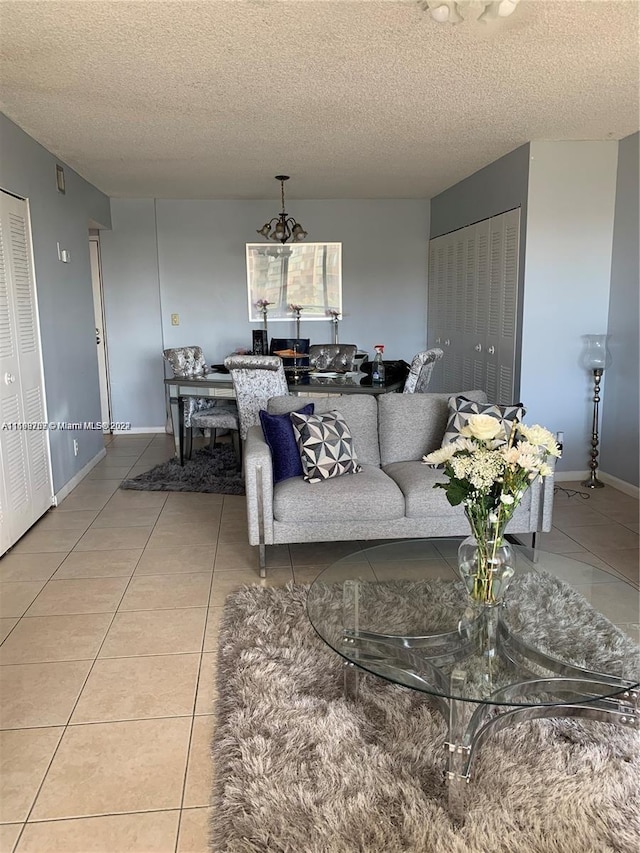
(75, 704)
(195, 698)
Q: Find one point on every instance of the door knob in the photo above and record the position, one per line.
(491, 350)
(9, 378)
(478, 347)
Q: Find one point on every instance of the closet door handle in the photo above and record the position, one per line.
(478, 347)
(9, 378)
(491, 350)
(447, 343)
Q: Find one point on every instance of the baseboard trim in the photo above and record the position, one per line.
(608, 479)
(74, 481)
(620, 485)
(138, 430)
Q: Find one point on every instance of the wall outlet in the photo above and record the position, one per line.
(175, 319)
(75, 446)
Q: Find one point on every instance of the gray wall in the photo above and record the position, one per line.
(199, 248)
(620, 408)
(571, 202)
(132, 314)
(500, 186)
(65, 299)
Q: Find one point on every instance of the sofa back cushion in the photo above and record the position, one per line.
(360, 412)
(412, 425)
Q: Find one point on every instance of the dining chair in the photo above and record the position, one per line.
(256, 378)
(189, 362)
(420, 371)
(338, 357)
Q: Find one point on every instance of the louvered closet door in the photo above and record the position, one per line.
(473, 287)
(508, 307)
(436, 303)
(24, 453)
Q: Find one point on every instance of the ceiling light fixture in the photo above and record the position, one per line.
(456, 11)
(283, 227)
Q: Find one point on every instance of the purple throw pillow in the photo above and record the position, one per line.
(278, 433)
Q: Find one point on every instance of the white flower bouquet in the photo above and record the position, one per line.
(488, 473)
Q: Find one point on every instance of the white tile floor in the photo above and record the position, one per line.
(109, 613)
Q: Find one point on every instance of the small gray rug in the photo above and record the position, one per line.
(300, 770)
(207, 471)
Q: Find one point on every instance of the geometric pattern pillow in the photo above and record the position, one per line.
(461, 409)
(326, 446)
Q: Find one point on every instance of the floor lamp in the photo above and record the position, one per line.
(596, 358)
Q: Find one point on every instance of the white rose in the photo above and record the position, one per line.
(482, 427)
(507, 499)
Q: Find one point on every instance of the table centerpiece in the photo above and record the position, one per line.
(489, 471)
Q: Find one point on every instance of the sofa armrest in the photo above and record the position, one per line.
(258, 480)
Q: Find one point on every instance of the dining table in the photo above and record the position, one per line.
(217, 385)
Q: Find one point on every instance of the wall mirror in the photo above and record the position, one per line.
(309, 275)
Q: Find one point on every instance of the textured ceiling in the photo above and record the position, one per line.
(361, 99)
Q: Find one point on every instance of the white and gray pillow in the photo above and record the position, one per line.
(326, 446)
(461, 409)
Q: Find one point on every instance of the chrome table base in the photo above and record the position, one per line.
(560, 688)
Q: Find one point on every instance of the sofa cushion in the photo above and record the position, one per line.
(278, 433)
(461, 408)
(360, 412)
(416, 481)
(412, 425)
(325, 444)
(342, 499)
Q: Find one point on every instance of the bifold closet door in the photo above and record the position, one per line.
(24, 454)
(472, 306)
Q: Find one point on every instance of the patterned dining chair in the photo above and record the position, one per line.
(338, 357)
(421, 370)
(256, 378)
(189, 362)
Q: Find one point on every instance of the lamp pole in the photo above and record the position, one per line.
(592, 482)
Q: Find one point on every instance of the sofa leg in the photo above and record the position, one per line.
(534, 548)
(262, 554)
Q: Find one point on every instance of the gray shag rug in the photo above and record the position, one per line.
(300, 770)
(207, 471)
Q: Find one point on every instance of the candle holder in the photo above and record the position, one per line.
(296, 311)
(596, 358)
(263, 305)
(335, 317)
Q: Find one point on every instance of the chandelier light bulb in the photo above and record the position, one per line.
(506, 8)
(440, 13)
(451, 11)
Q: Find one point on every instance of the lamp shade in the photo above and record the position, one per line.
(595, 355)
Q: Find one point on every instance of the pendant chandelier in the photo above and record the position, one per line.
(456, 11)
(282, 227)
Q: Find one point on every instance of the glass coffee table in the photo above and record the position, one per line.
(562, 644)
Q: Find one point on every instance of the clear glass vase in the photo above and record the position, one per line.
(486, 567)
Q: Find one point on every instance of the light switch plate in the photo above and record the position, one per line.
(175, 319)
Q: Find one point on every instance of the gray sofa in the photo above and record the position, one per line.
(391, 498)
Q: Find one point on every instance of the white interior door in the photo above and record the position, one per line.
(101, 337)
(24, 452)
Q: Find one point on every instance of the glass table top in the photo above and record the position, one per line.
(567, 631)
